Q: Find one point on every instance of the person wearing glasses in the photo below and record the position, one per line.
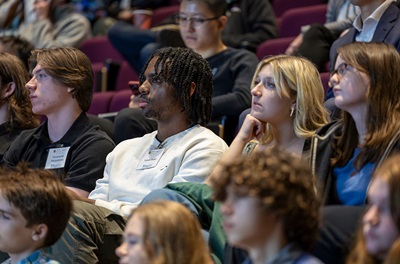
(201, 23)
(344, 154)
(250, 23)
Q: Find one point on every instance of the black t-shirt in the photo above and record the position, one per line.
(86, 156)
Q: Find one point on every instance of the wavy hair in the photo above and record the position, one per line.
(68, 66)
(171, 234)
(297, 78)
(19, 107)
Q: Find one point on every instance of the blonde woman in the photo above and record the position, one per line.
(163, 232)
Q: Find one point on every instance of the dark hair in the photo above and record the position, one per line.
(284, 184)
(40, 197)
(180, 67)
(69, 66)
(217, 7)
(19, 112)
(381, 62)
(19, 47)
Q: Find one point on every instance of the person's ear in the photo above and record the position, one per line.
(222, 22)
(39, 232)
(70, 90)
(192, 88)
(8, 90)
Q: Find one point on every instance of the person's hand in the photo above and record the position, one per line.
(251, 128)
(294, 45)
(125, 15)
(134, 103)
(42, 8)
(74, 196)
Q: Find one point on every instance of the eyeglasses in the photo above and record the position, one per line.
(340, 71)
(196, 21)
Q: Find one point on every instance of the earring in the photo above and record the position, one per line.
(291, 111)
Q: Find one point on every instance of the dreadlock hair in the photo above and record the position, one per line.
(180, 67)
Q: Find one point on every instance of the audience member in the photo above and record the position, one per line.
(286, 111)
(275, 191)
(164, 232)
(231, 68)
(315, 40)
(250, 22)
(14, 13)
(378, 21)
(35, 209)
(57, 25)
(15, 108)
(345, 153)
(61, 90)
(176, 88)
(380, 227)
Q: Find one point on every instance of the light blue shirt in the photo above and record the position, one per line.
(37, 257)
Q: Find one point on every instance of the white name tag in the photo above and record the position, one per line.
(56, 158)
(150, 159)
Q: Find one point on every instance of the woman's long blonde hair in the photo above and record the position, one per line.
(298, 78)
(171, 234)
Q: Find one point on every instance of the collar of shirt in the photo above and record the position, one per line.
(366, 28)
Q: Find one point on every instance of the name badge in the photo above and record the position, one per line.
(56, 158)
(150, 159)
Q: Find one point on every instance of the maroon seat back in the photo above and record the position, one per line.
(99, 49)
(101, 103)
(280, 6)
(120, 100)
(292, 20)
(273, 47)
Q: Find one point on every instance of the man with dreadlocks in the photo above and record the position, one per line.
(201, 23)
(175, 91)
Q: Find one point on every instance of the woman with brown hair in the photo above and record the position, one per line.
(163, 232)
(378, 237)
(345, 154)
(15, 107)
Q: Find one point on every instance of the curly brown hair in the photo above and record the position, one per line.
(285, 186)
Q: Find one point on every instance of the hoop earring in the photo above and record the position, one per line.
(291, 111)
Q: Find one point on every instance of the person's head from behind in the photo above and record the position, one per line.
(34, 210)
(60, 75)
(274, 190)
(176, 80)
(17, 46)
(381, 222)
(162, 232)
(366, 87)
(201, 23)
(14, 97)
(288, 89)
